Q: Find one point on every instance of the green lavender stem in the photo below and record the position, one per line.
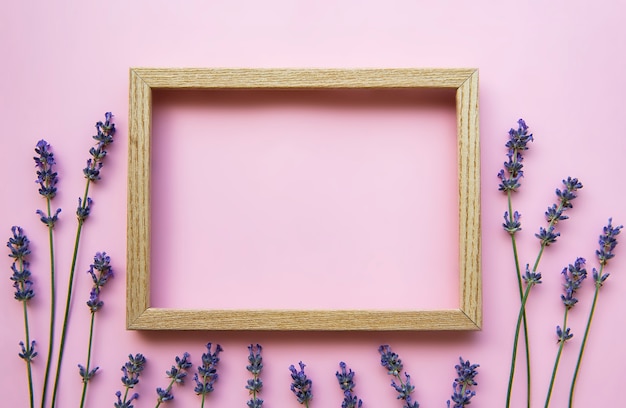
(557, 359)
(203, 395)
(88, 365)
(521, 295)
(28, 362)
(52, 309)
(69, 298)
(515, 342)
(585, 337)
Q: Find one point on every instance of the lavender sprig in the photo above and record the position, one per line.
(100, 272)
(176, 375)
(132, 370)
(461, 392)
(301, 385)
(206, 376)
(254, 385)
(104, 137)
(555, 213)
(608, 242)
(391, 361)
(47, 179)
(510, 180)
(18, 245)
(573, 275)
(346, 383)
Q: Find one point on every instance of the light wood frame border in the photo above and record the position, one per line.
(140, 315)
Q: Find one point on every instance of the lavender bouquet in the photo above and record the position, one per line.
(47, 179)
(574, 274)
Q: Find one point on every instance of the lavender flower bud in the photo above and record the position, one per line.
(512, 225)
(346, 383)
(49, 221)
(301, 386)
(46, 177)
(179, 371)
(82, 212)
(104, 138)
(608, 242)
(28, 353)
(465, 379)
(132, 369)
(206, 376)
(100, 270)
(512, 173)
(563, 336)
(573, 275)
(86, 376)
(390, 360)
(531, 278)
(254, 385)
(124, 404)
(18, 244)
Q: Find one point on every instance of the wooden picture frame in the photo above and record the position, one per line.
(139, 313)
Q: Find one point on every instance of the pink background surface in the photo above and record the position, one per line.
(557, 64)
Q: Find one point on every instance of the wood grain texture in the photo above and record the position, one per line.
(299, 320)
(141, 316)
(201, 78)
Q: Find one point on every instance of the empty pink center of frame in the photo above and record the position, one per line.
(304, 199)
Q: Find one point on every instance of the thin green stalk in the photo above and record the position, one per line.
(88, 366)
(28, 362)
(584, 341)
(69, 298)
(521, 295)
(515, 341)
(203, 395)
(52, 309)
(557, 359)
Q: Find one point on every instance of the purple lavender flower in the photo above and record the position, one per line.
(104, 138)
(346, 383)
(254, 385)
(512, 224)
(19, 247)
(83, 209)
(391, 361)
(131, 369)
(127, 403)
(462, 394)
(46, 176)
(207, 373)
(531, 277)
(100, 272)
(18, 244)
(87, 374)
(28, 352)
(608, 242)
(555, 212)
(176, 375)
(512, 172)
(574, 275)
(301, 386)
(563, 335)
